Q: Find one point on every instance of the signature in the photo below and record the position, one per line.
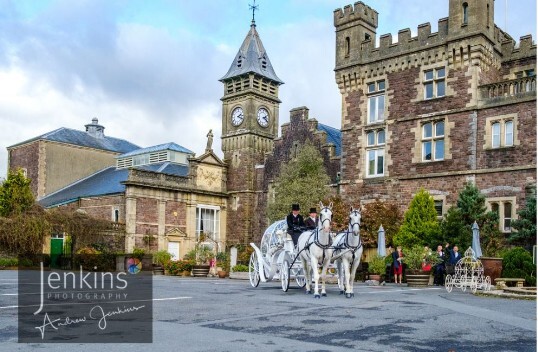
(96, 313)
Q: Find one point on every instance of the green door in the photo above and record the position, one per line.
(56, 250)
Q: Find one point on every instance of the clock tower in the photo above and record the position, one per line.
(249, 126)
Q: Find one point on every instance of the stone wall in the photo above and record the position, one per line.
(26, 156)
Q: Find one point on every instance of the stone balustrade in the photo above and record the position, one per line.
(515, 88)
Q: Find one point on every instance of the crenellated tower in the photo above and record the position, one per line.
(250, 109)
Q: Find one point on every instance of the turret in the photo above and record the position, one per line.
(355, 29)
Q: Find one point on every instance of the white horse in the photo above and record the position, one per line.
(347, 252)
(314, 247)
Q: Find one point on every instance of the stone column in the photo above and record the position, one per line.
(130, 222)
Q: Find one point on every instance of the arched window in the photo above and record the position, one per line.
(347, 46)
(465, 9)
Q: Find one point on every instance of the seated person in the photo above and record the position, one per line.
(295, 223)
(311, 222)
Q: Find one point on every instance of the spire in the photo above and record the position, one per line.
(253, 7)
(251, 57)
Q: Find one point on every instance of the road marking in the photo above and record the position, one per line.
(10, 294)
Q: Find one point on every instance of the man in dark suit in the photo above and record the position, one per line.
(455, 256)
(295, 223)
(311, 222)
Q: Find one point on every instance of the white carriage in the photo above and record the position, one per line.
(275, 258)
(468, 272)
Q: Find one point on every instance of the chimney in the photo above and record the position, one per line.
(94, 129)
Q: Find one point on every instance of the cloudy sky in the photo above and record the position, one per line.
(149, 70)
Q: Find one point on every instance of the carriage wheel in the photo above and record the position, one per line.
(253, 273)
(285, 276)
(300, 277)
(449, 283)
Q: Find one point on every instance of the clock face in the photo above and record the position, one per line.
(263, 117)
(237, 116)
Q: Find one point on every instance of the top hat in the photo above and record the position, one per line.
(295, 207)
(313, 210)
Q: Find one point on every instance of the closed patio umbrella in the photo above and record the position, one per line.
(476, 241)
(381, 249)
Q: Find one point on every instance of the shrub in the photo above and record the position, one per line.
(161, 257)
(8, 262)
(417, 255)
(517, 263)
(138, 253)
(176, 267)
(376, 265)
(376, 214)
(240, 268)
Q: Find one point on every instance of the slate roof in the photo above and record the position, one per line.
(252, 58)
(106, 182)
(334, 136)
(157, 148)
(84, 139)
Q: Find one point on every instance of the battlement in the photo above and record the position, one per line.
(359, 11)
(425, 38)
(526, 48)
(406, 42)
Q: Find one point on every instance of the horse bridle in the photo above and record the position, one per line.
(351, 225)
(329, 220)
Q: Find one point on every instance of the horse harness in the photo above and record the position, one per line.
(346, 244)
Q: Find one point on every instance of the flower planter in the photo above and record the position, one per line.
(200, 270)
(493, 267)
(158, 270)
(222, 274)
(375, 277)
(417, 278)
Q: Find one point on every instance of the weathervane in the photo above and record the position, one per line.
(253, 7)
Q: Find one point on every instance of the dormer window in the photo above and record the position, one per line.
(239, 61)
(264, 63)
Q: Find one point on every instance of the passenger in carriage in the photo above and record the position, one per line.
(311, 222)
(295, 223)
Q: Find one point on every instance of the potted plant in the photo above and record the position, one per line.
(376, 267)
(201, 255)
(159, 259)
(223, 264)
(414, 260)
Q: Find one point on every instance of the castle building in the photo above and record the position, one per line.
(432, 111)
(436, 110)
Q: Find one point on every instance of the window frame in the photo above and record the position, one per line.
(377, 95)
(435, 82)
(431, 140)
(498, 205)
(378, 150)
(215, 235)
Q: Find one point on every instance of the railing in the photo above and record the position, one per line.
(143, 176)
(518, 87)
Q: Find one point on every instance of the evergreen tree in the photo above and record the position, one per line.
(525, 225)
(303, 181)
(457, 223)
(420, 225)
(15, 194)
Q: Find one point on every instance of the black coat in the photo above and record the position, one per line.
(311, 224)
(294, 222)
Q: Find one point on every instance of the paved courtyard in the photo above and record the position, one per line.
(229, 315)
